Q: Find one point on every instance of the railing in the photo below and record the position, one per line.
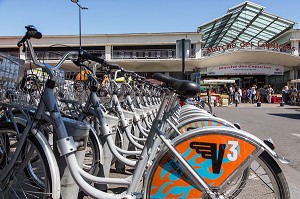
(56, 55)
(14, 54)
(118, 54)
(147, 54)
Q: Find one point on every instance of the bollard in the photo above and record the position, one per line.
(282, 103)
(215, 103)
(236, 103)
(258, 104)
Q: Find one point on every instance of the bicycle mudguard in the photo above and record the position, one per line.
(202, 122)
(215, 153)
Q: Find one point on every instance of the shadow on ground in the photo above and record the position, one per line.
(287, 115)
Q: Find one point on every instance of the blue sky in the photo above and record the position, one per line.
(60, 17)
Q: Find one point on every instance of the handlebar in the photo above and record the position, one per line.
(82, 54)
(31, 33)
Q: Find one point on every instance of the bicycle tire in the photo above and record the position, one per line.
(167, 179)
(92, 159)
(20, 186)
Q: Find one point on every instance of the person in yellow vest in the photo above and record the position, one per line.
(82, 76)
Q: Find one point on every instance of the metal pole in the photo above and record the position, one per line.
(80, 8)
(79, 26)
(183, 58)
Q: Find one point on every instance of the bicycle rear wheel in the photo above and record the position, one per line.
(220, 157)
(33, 160)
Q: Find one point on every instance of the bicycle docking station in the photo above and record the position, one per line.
(77, 141)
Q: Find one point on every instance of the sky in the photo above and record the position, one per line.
(61, 17)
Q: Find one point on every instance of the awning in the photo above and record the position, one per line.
(218, 81)
(295, 81)
(246, 22)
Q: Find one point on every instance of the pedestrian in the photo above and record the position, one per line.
(269, 92)
(263, 94)
(208, 92)
(240, 94)
(245, 95)
(293, 95)
(231, 94)
(249, 95)
(253, 94)
(257, 95)
(285, 94)
(236, 95)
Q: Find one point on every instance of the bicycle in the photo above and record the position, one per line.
(176, 161)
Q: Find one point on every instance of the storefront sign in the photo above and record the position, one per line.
(245, 69)
(243, 44)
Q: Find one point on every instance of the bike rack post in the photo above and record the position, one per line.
(113, 122)
(79, 131)
(128, 116)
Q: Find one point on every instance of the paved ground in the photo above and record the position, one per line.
(282, 124)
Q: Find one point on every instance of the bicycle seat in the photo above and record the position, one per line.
(181, 87)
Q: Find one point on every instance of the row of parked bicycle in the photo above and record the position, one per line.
(62, 131)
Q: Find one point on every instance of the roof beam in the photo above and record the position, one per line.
(249, 24)
(264, 28)
(288, 28)
(212, 28)
(212, 43)
(236, 17)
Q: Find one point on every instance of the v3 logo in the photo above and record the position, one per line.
(216, 153)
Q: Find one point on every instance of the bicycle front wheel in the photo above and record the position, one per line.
(31, 176)
(220, 156)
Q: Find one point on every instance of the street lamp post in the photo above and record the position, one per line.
(69, 188)
(80, 8)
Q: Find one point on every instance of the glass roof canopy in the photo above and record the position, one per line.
(245, 22)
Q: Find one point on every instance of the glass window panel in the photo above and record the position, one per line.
(244, 37)
(230, 36)
(277, 23)
(248, 14)
(245, 23)
(255, 41)
(272, 29)
(270, 32)
(252, 30)
(238, 27)
(276, 29)
(260, 25)
(267, 19)
(204, 29)
(248, 34)
(231, 20)
(227, 40)
(262, 21)
(265, 34)
(252, 9)
(232, 31)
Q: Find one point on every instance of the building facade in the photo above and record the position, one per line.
(247, 45)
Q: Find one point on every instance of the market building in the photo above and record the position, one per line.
(247, 45)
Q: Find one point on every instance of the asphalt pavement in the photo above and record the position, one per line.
(281, 123)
